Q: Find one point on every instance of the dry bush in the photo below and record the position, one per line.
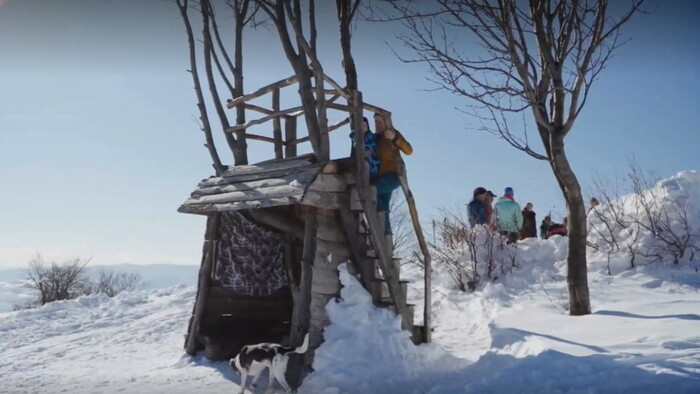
(70, 280)
(55, 282)
(470, 255)
(112, 283)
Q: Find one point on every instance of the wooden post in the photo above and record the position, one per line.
(332, 249)
(276, 127)
(301, 316)
(205, 271)
(428, 270)
(290, 134)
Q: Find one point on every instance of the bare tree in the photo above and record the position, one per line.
(213, 51)
(541, 57)
(300, 49)
(56, 282)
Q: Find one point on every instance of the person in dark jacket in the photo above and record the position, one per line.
(477, 208)
(529, 229)
(544, 227)
(387, 179)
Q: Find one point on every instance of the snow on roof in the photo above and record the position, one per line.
(265, 184)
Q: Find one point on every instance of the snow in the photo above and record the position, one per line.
(512, 335)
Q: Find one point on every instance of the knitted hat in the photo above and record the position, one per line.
(479, 191)
(509, 191)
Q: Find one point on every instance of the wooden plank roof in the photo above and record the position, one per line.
(266, 184)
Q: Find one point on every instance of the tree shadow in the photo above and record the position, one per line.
(508, 336)
(683, 316)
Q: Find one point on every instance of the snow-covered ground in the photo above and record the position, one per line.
(510, 336)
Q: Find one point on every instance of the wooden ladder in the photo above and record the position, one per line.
(372, 250)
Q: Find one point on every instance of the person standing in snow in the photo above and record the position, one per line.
(387, 178)
(544, 227)
(370, 147)
(477, 208)
(529, 229)
(509, 220)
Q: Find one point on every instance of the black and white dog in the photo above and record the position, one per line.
(253, 359)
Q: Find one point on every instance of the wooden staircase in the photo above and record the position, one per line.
(378, 270)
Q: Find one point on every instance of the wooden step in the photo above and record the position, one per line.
(395, 268)
(380, 291)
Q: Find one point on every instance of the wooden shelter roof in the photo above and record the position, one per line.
(265, 184)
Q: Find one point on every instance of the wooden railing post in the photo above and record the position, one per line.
(276, 127)
(290, 136)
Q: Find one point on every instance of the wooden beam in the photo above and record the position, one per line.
(338, 88)
(290, 134)
(257, 108)
(204, 281)
(276, 124)
(262, 91)
(289, 111)
(258, 137)
(338, 125)
(298, 141)
(376, 109)
(341, 107)
(333, 98)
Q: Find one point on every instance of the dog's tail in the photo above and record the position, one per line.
(304, 346)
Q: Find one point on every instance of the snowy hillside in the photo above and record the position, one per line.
(15, 289)
(510, 336)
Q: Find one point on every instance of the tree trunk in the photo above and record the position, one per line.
(577, 267)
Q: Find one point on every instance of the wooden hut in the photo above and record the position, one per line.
(276, 233)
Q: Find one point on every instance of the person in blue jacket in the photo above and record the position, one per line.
(508, 217)
(370, 147)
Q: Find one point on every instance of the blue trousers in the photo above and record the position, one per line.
(385, 184)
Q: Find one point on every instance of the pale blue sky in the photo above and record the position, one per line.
(99, 143)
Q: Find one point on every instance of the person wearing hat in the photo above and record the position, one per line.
(477, 207)
(508, 217)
